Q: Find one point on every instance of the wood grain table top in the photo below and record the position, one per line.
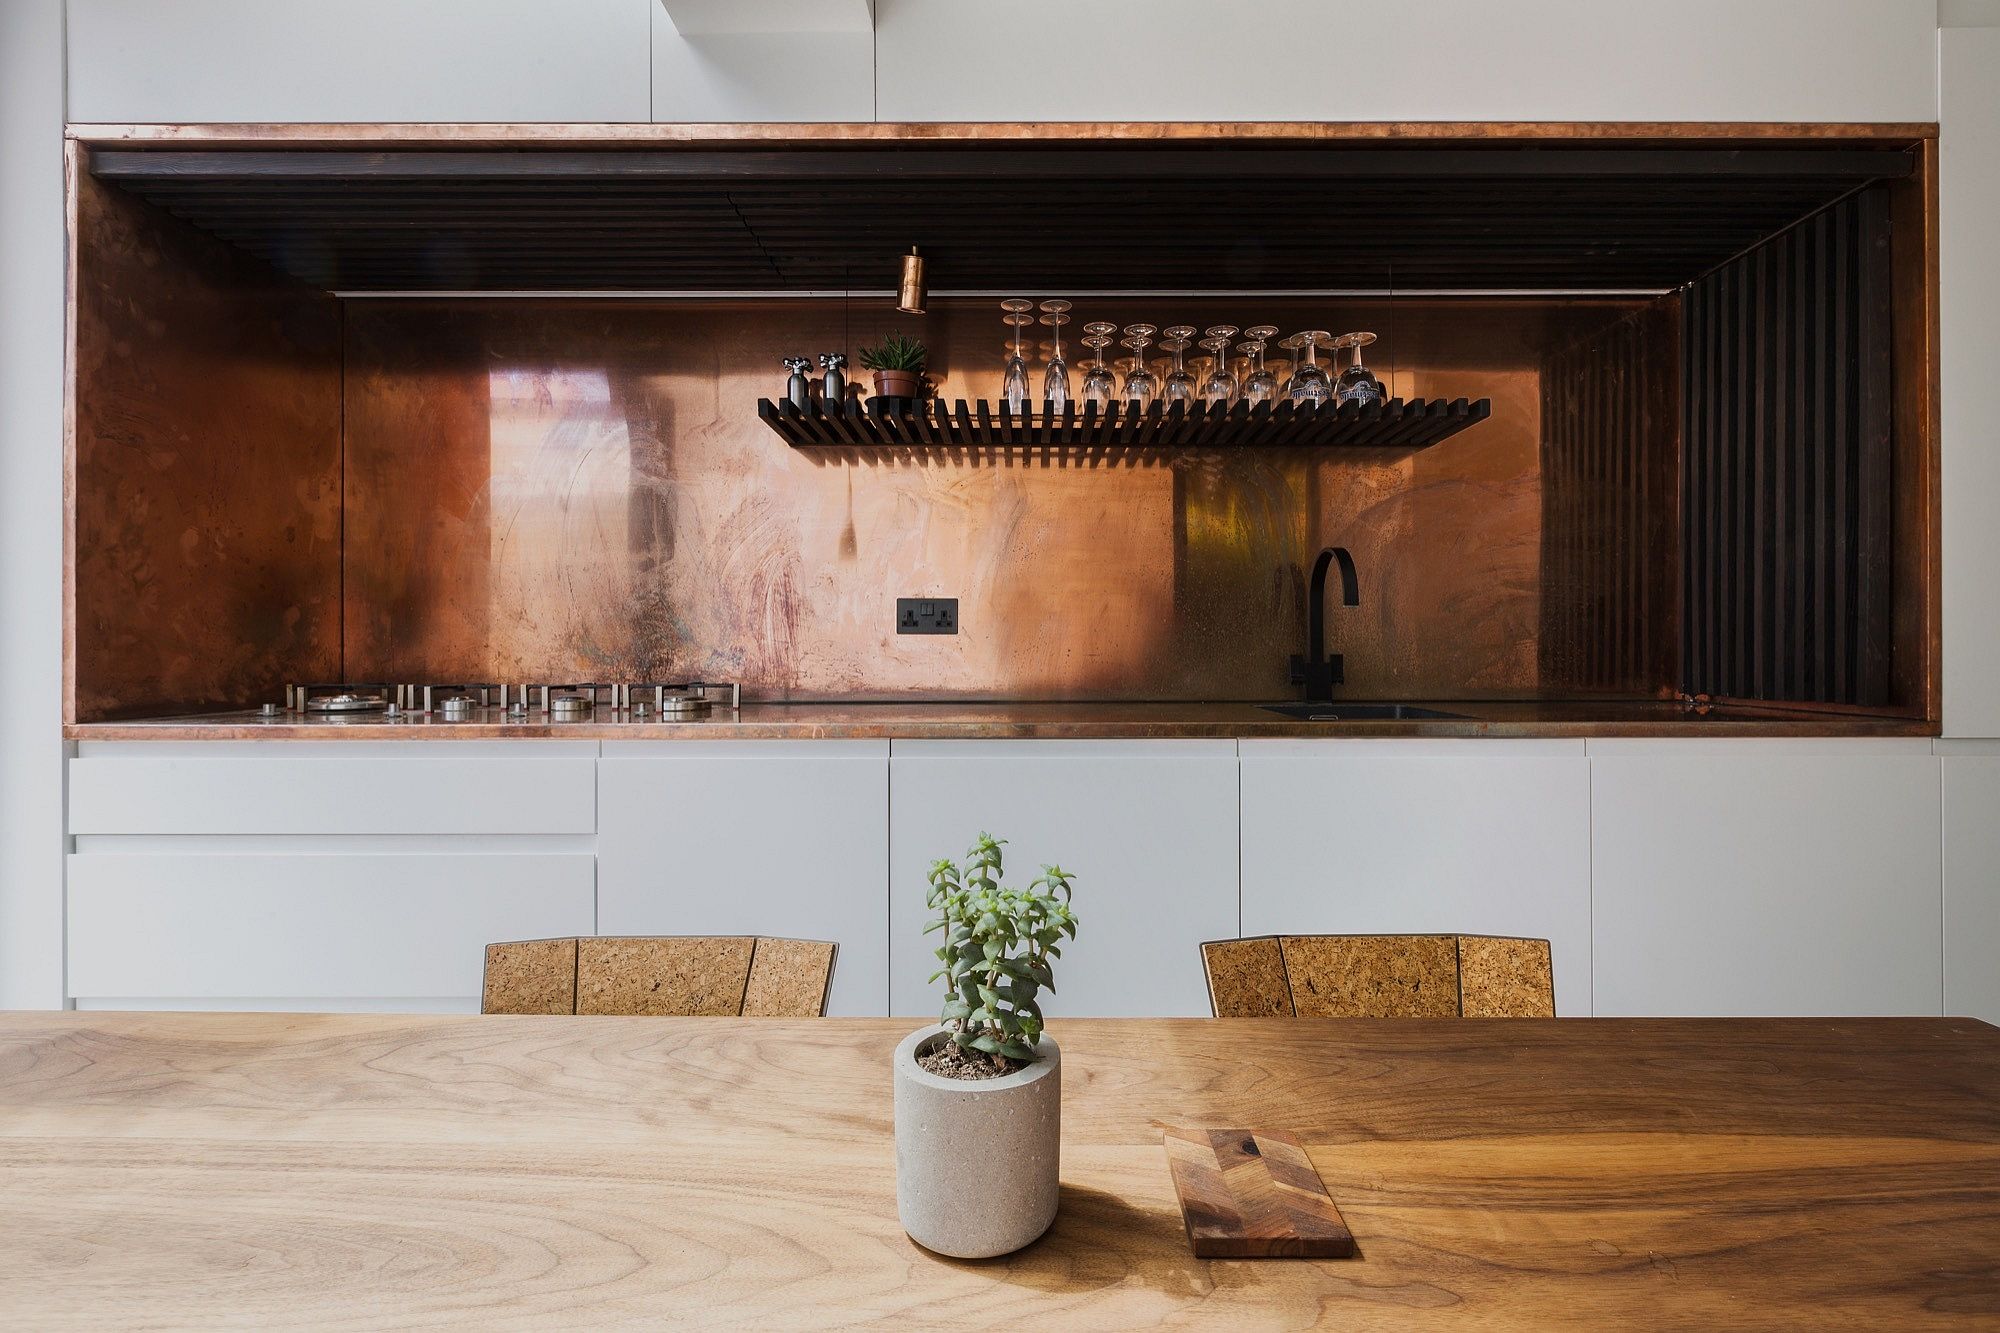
(342, 1171)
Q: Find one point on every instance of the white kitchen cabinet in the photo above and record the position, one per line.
(762, 76)
(1147, 827)
(1969, 393)
(360, 60)
(1375, 837)
(235, 929)
(752, 838)
(261, 788)
(1766, 877)
(1972, 882)
(1123, 60)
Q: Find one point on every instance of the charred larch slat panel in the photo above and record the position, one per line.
(1608, 568)
(1787, 468)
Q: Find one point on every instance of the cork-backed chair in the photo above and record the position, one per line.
(1380, 976)
(682, 976)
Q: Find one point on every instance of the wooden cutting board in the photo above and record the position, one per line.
(1253, 1194)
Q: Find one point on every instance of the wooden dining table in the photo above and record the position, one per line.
(348, 1171)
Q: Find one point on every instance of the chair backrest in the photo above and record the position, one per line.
(665, 975)
(1380, 976)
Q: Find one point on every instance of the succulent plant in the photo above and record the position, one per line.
(895, 352)
(999, 948)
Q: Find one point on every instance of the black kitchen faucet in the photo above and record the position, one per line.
(1317, 672)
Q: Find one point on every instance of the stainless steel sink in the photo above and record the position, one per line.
(1343, 711)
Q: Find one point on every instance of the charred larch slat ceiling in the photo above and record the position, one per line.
(1787, 465)
(1120, 218)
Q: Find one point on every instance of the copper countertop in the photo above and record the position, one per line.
(1024, 721)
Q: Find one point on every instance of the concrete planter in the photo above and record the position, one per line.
(947, 1129)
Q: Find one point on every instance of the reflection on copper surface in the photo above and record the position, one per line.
(206, 519)
(550, 489)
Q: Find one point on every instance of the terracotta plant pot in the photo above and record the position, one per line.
(897, 383)
(949, 1131)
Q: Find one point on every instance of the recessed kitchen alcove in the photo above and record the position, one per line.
(408, 409)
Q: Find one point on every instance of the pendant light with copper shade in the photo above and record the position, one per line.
(910, 291)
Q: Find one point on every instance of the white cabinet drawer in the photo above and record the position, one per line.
(753, 838)
(265, 794)
(363, 924)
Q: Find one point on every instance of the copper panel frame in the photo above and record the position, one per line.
(698, 134)
(127, 673)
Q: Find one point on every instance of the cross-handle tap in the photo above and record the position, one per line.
(1315, 671)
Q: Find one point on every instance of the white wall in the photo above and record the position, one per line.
(31, 362)
(1969, 263)
(1971, 784)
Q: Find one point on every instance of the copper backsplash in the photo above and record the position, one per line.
(539, 489)
(204, 562)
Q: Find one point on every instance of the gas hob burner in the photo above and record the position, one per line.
(650, 701)
(677, 700)
(344, 697)
(457, 702)
(573, 702)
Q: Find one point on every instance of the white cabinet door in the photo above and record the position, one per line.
(1451, 60)
(1969, 320)
(232, 929)
(1766, 877)
(752, 838)
(1398, 837)
(724, 73)
(360, 60)
(1147, 827)
(1972, 884)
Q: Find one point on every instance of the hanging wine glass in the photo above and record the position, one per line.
(1220, 386)
(1179, 386)
(1014, 384)
(1357, 383)
(1309, 383)
(1055, 380)
(1141, 385)
(1261, 384)
(1100, 385)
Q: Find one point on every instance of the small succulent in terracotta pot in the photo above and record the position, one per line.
(898, 362)
(986, 1074)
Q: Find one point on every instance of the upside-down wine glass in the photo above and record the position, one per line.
(1261, 384)
(1309, 382)
(1014, 384)
(1179, 386)
(1357, 383)
(1055, 380)
(1100, 385)
(1220, 386)
(1141, 385)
